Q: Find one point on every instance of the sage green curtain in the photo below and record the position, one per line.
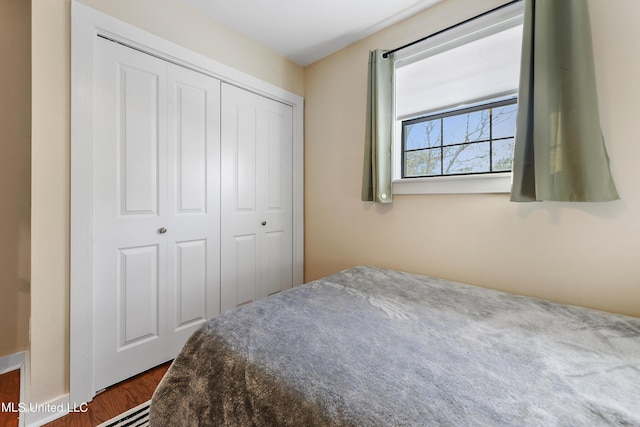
(376, 180)
(559, 152)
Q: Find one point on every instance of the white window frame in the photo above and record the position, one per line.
(492, 23)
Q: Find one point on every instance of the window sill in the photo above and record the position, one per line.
(466, 184)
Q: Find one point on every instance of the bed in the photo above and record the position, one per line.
(376, 347)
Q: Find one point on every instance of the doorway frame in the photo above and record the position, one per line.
(86, 25)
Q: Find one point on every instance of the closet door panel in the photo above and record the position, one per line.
(245, 266)
(137, 110)
(191, 280)
(191, 149)
(138, 295)
(277, 201)
(244, 167)
(193, 220)
(240, 220)
(130, 173)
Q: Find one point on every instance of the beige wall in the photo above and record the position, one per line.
(200, 34)
(15, 149)
(584, 254)
(170, 19)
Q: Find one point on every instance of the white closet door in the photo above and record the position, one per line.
(156, 209)
(256, 212)
(130, 208)
(193, 223)
(277, 199)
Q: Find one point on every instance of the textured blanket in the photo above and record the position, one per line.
(374, 347)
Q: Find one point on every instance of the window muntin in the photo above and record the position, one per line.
(467, 141)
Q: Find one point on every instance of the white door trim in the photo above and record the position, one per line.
(86, 25)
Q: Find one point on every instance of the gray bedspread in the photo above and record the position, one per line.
(375, 347)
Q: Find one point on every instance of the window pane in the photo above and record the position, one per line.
(476, 139)
(502, 155)
(504, 121)
(422, 135)
(422, 162)
(469, 158)
(468, 127)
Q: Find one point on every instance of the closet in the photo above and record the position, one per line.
(192, 205)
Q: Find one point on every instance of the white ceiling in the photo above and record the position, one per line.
(304, 30)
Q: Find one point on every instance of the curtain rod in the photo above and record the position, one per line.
(495, 9)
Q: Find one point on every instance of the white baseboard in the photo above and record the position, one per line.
(38, 414)
(12, 362)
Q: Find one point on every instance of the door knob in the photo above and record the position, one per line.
(162, 230)
(264, 222)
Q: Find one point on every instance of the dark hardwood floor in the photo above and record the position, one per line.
(115, 400)
(9, 393)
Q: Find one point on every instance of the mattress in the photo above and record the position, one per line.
(376, 347)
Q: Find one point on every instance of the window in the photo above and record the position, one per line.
(456, 105)
(472, 140)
